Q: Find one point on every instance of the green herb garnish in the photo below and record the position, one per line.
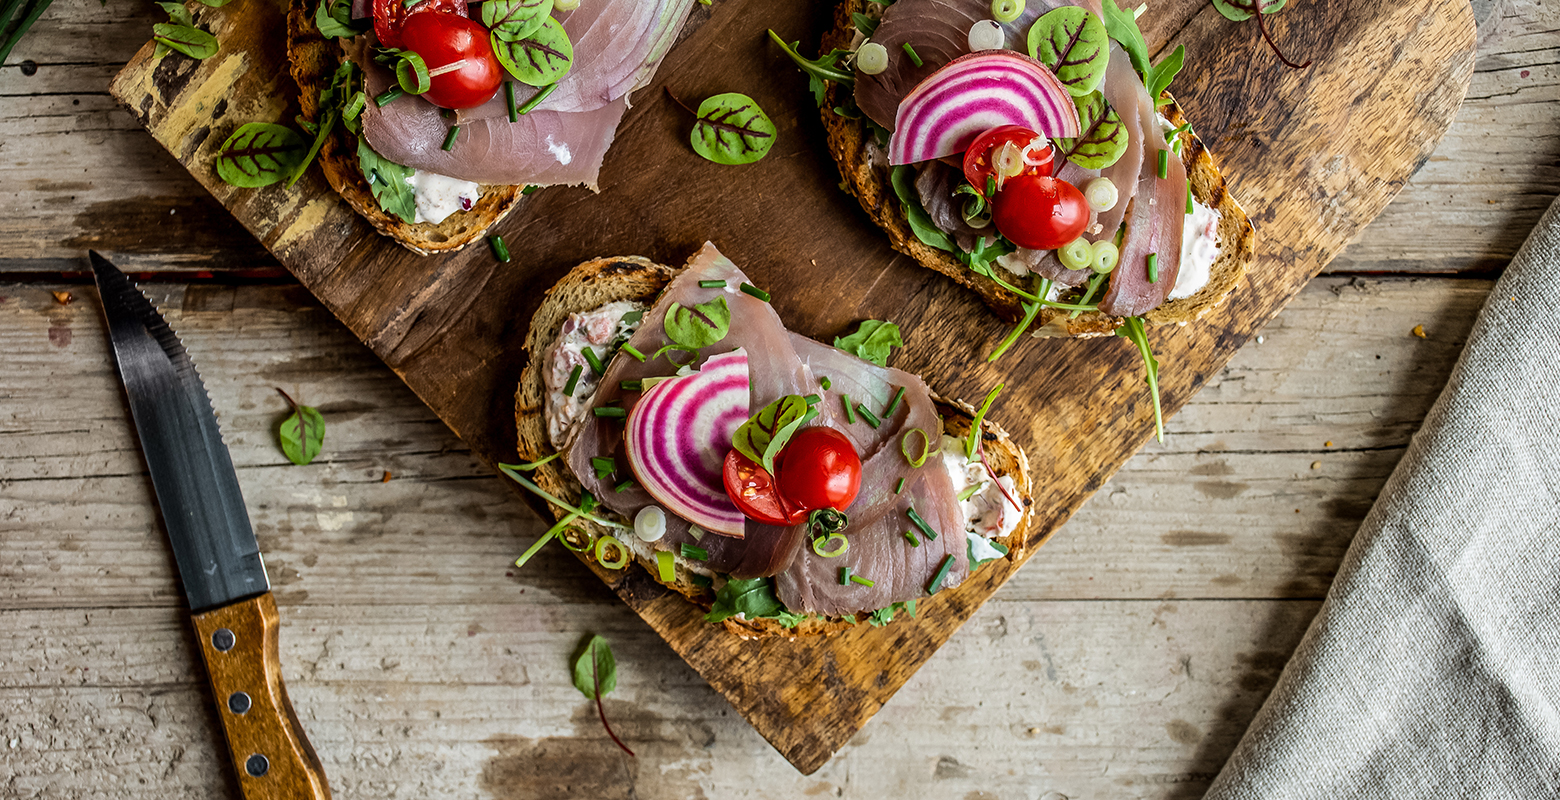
(500, 250)
(731, 129)
(1102, 138)
(825, 383)
(844, 576)
(632, 385)
(1153, 267)
(969, 445)
(638, 356)
(764, 434)
(540, 58)
(530, 465)
(914, 58)
(595, 674)
(970, 491)
(926, 530)
(712, 284)
(1242, 10)
(612, 412)
(1132, 330)
(910, 537)
(850, 413)
(752, 598)
(1031, 310)
(822, 545)
(905, 447)
(593, 360)
(574, 379)
(820, 70)
(334, 20)
(302, 434)
(903, 179)
(894, 404)
(530, 105)
(857, 579)
(624, 486)
(693, 552)
(1073, 43)
(1122, 26)
(900, 486)
(387, 180)
(449, 138)
(698, 327)
(604, 467)
(873, 341)
(942, 571)
(515, 19)
(867, 415)
(179, 34)
(259, 154)
(750, 289)
(509, 101)
(388, 96)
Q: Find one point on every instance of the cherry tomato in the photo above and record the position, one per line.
(752, 489)
(978, 158)
(390, 14)
(819, 468)
(444, 39)
(1040, 213)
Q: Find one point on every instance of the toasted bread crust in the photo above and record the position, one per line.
(604, 280)
(850, 143)
(313, 60)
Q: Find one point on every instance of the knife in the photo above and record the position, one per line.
(218, 558)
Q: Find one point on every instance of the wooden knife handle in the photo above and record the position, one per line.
(271, 754)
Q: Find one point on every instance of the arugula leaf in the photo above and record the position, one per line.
(903, 178)
(874, 340)
(764, 434)
(752, 598)
(1122, 26)
(1102, 139)
(542, 58)
(1132, 330)
(302, 434)
(332, 98)
(1164, 72)
(259, 154)
(334, 20)
(1073, 43)
(700, 326)
(819, 70)
(595, 670)
(387, 180)
(732, 129)
(865, 24)
(981, 258)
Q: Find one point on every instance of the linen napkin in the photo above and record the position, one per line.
(1433, 667)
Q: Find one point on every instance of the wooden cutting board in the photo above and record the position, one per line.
(1314, 155)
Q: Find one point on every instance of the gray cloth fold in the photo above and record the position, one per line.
(1433, 668)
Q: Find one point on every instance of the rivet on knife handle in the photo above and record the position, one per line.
(271, 754)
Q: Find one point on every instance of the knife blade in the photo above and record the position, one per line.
(218, 558)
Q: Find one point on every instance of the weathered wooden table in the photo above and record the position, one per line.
(1124, 661)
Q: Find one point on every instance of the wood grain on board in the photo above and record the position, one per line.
(1314, 155)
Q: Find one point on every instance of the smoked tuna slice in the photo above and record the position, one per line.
(543, 148)
(774, 371)
(1154, 223)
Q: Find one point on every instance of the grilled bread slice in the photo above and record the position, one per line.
(850, 142)
(596, 283)
(314, 60)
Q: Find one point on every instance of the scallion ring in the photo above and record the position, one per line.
(601, 547)
(411, 72)
(1006, 10)
(872, 58)
(563, 536)
(1104, 254)
(1076, 254)
(822, 545)
(906, 447)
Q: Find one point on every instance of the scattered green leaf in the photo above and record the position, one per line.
(595, 674)
(302, 434)
(186, 39)
(873, 340)
(334, 20)
(903, 178)
(1242, 10)
(975, 561)
(387, 180)
(1132, 329)
(752, 598)
(259, 154)
(819, 70)
(700, 326)
(731, 129)
(512, 20)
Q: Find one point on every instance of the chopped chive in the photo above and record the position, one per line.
(1153, 267)
(574, 379)
(900, 486)
(893, 404)
(500, 250)
(942, 572)
(824, 382)
(701, 580)
(812, 398)
(624, 486)
(1188, 198)
(638, 356)
(693, 551)
(844, 576)
(632, 386)
(390, 96)
(850, 413)
(509, 101)
(593, 360)
(969, 491)
(910, 51)
(812, 413)
(537, 99)
(867, 582)
(910, 537)
(748, 288)
(666, 568)
(609, 411)
(1164, 164)
(867, 415)
(931, 535)
(603, 466)
(712, 284)
(449, 138)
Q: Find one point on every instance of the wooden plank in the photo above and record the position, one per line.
(1086, 699)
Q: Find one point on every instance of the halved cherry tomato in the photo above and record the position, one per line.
(1040, 213)
(752, 489)
(978, 158)
(819, 468)
(444, 39)
(390, 14)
